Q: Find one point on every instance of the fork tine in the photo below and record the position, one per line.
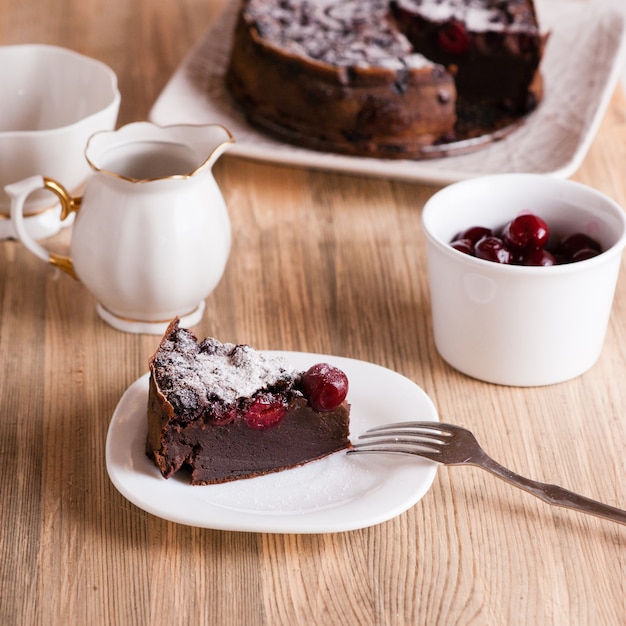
(432, 427)
(424, 439)
(409, 431)
(412, 441)
(394, 449)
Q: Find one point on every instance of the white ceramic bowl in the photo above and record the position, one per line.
(515, 325)
(53, 100)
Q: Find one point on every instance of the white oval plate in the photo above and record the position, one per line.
(339, 493)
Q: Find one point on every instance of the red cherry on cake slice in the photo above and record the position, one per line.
(453, 37)
(324, 386)
(266, 411)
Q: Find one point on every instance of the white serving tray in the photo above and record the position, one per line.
(581, 67)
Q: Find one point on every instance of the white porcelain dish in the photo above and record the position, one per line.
(148, 187)
(513, 324)
(53, 100)
(336, 494)
(581, 68)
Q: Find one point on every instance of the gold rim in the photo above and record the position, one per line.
(95, 168)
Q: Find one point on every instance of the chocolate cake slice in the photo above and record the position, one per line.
(227, 412)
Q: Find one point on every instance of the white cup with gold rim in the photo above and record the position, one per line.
(53, 100)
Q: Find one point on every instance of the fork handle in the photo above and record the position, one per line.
(553, 494)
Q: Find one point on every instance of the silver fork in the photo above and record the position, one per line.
(453, 445)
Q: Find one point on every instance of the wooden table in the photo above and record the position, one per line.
(321, 262)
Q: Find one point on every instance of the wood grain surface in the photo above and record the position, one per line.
(321, 262)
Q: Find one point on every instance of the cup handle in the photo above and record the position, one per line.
(18, 192)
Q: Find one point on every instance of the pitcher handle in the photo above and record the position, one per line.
(18, 193)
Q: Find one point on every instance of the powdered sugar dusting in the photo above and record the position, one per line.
(477, 15)
(346, 33)
(239, 373)
(361, 33)
(219, 370)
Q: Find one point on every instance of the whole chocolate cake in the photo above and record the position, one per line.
(383, 78)
(227, 412)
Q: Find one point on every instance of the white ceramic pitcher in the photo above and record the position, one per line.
(152, 235)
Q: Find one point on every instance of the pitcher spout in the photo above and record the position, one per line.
(212, 139)
(177, 151)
